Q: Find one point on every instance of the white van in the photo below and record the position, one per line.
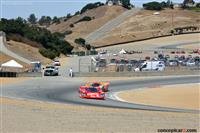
(151, 66)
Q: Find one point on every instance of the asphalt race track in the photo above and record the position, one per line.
(65, 91)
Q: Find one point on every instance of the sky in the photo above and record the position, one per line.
(23, 8)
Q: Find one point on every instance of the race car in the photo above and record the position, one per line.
(103, 85)
(91, 92)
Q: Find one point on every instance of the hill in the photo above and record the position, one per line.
(100, 16)
(146, 23)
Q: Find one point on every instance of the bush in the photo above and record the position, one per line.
(88, 47)
(77, 13)
(68, 32)
(126, 4)
(153, 6)
(80, 41)
(71, 25)
(85, 18)
(48, 53)
(91, 6)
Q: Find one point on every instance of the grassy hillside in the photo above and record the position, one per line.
(52, 44)
(99, 16)
(145, 24)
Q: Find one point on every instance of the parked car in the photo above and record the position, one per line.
(172, 63)
(51, 71)
(56, 63)
(190, 63)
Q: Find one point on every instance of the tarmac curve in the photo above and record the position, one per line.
(65, 91)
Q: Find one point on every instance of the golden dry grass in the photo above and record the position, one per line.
(177, 96)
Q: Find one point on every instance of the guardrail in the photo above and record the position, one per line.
(29, 74)
(136, 74)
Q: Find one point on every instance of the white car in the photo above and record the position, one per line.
(51, 71)
(190, 63)
(56, 63)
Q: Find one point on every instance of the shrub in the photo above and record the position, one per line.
(47, 53)
(85, 18)
(71, 25)
(68, 32)
(77, 13)
(80, 41)
(152, 6)
(91, 6)
(88, 47)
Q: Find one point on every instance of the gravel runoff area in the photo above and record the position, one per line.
(12, 80)
(185, 96)
(31, 116)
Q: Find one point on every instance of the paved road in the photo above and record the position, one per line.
(174, 46)
(150, 47)
(102, 31)
(65, 91)
(5, 50)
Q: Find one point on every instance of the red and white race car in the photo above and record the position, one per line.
(91, 92)
(103, 85)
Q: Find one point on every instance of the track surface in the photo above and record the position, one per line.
(65, 90)
(102, 31)
(6, 51)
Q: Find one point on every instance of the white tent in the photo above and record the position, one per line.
(12, 63)
(122, 51)
(156, 13)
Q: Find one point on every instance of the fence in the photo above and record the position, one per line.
(136, 74)
(106, 65)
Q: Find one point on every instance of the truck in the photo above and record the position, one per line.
(151, 66)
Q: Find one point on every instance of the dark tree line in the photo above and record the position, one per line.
(53, 44)
(158, 5)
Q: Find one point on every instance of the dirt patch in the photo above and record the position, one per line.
(31, 53)
(4, 81)
(101, 15)
(177, 96)
(28, 116)
(5, 58)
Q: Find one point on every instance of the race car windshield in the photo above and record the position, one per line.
(92, 89)
(95, 84)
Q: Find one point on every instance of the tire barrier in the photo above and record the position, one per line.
(8, 74)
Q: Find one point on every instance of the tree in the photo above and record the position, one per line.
(69, 15)
(91, 6)
(198, 5)
(48, 20)
(125, 3)
(32, 19)
(88, 47)
(152, 6)
(77, 13)
(45, 20)
(55, 20)
(85, 18)
(53, 43)
(80, 41)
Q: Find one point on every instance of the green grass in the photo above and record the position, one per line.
(196, 9)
